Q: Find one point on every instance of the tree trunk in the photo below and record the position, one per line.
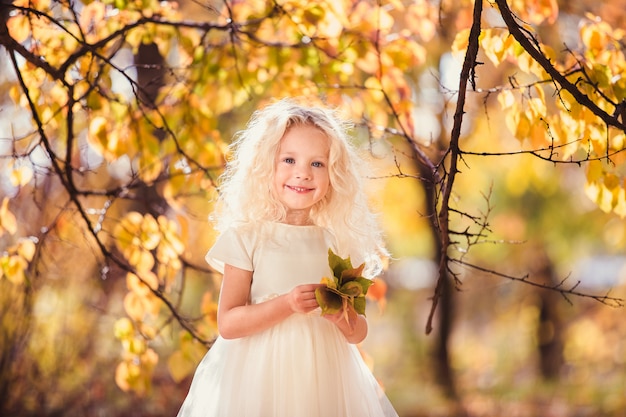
(550, 326)
(444, 373)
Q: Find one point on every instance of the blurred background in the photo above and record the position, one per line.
(106, 305)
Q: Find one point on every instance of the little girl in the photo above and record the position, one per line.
(291, 192)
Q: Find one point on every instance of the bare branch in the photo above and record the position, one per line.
(469, 64)
(560, 287)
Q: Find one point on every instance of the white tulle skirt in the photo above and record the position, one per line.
(302, 367)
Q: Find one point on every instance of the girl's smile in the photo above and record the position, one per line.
(299, 189)
(301, 177)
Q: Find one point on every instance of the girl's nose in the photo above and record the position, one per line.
(304, 172)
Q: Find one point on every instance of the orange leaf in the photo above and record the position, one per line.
(378, 290)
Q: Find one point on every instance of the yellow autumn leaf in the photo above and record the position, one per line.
(538, 134)
(139, 306)
(368, 62)
(153, 304)
(329, 282)
(538, 100)
(21, 176)
(506, 98)
(334, 20)
(167, 273)
(140, 258)
(461, 41)
(19, 28)
(549, 9)
(600, 195)
(374, 87)
(618, 140)
(166, 255)
(611, 181)
(122, 376)
(566, 131)
(542, 11)
(150, 358)
(314, 14)
(150, 166)
(523, 128)
(137, 234)
(129, 225)
(169, 231)
(41, 5)
(92, 15)
(619, 207)
(615, 192)
(150, 233)
(525, 62)
(13, 267)
(179, 366)
(595, 36)
(26, 249)
(142, 286)
(607, 198)
(417, 17)
(493, 46)
(98, 135)
(124, 328)
(595, 171)
(592, 190)
(137, 345)
(8, 222)
(135, 372)
(209, 309)
(134, 306)
(537, 11)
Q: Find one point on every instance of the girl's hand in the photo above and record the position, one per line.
(301, 299)
(346, 321)
(354, 328)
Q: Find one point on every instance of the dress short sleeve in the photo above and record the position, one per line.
(230, 248)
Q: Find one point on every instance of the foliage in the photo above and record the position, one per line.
(566, 129)
(345, 291)
(130, 104)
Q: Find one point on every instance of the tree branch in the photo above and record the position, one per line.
(469, 64)
(559, 287)
(534, 51)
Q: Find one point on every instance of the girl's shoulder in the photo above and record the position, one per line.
(242, 228)
(246, 233)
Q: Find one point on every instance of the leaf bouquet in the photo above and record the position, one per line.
(345, 291)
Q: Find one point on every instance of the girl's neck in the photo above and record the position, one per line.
(298, 219)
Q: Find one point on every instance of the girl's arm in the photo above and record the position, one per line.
(236, 318)
(355, 329)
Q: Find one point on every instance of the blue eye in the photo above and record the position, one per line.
(317, 164)
(289, 160)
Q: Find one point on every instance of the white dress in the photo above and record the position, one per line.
(301, 367)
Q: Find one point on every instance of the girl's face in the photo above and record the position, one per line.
(301, 171)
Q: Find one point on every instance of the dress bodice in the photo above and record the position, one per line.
(280, 255)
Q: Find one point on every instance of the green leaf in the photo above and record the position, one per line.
(359, 305)
(365, 283)
(338, 264)
(352, 289)
(329, 300)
